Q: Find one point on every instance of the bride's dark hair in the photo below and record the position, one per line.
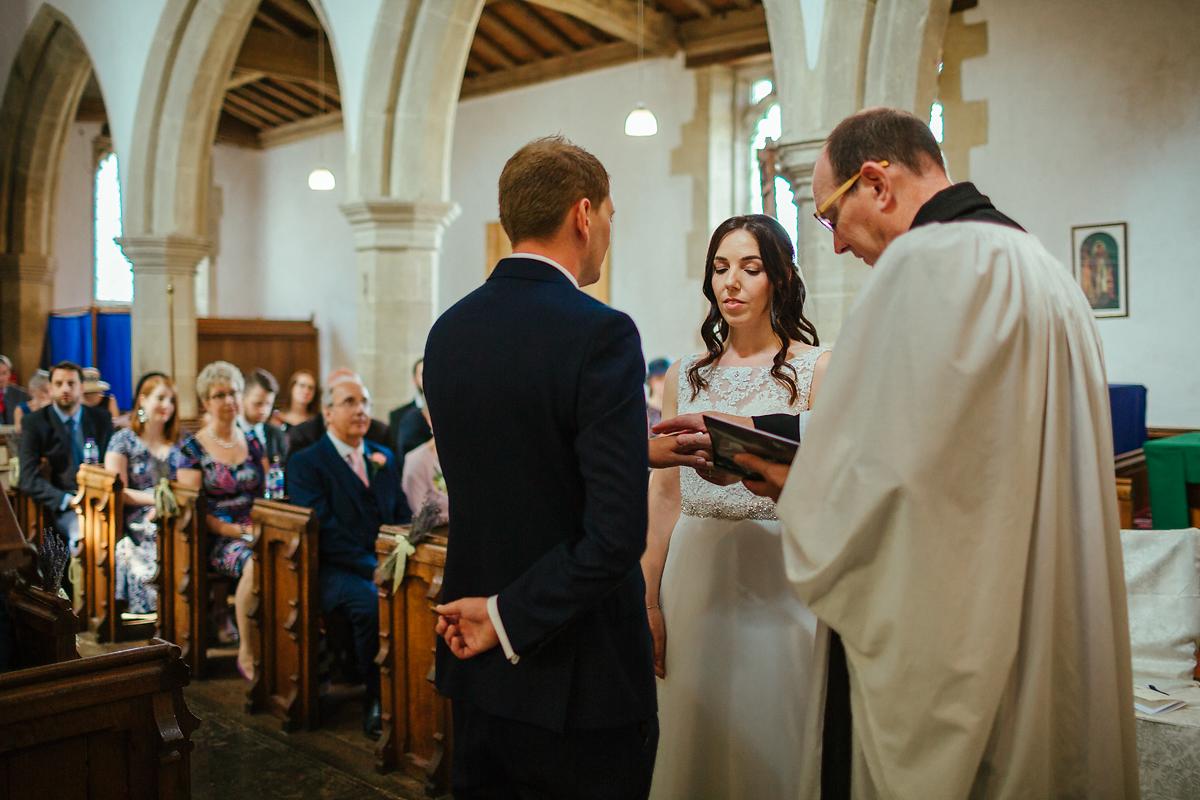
(787, 300)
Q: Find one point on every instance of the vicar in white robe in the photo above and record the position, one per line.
(951, 513)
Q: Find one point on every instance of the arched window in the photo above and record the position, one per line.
(765, 132)
(113, 272)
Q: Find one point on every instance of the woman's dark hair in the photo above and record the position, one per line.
(787, 300)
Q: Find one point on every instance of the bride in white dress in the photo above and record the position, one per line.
(733, 645)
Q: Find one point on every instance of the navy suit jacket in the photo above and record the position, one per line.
(349, 513)
(535, 391)
(43, 435)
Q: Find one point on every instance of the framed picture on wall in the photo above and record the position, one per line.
(1100, 259)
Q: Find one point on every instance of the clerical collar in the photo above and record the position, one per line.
(961, 202)
(551, 262)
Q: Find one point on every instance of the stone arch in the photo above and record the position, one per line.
(869, 53)
(399, 179)
(166, 212)
(47, 78)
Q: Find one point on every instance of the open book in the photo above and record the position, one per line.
(1154, 701)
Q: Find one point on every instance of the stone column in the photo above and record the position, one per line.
(26, 289)
(164, 309)
(832, 281)
(397, 245)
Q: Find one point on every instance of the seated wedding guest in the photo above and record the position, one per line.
(143, 454)
(39, 397)
(301, 400)
(656, 380)
(11, 395)
(96, 393)
(409, 426)
(308, 433)
(232, 469)
(352, 485)
(58, 435)
(257, 402)
(422, 478)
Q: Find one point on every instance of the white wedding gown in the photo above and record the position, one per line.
(739, 643)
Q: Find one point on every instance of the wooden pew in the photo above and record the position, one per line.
(1133, 486)
(100, 506)
(43, 624)
(183, 579)
(417, 730)
(286, 609)
(109, 726)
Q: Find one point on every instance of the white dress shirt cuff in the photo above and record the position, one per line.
(493, 607)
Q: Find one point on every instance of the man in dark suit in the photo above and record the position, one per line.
(535, 391)
(11, 395)
(352, 485)
(57, 435)
(407, 423)
(258, 400)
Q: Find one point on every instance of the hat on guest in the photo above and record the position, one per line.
(92, 383)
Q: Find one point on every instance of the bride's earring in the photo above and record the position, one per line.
(142, 415)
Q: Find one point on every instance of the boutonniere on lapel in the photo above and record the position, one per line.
(439, 482)
(375, 462)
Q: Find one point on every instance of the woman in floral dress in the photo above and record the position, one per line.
(142, 455)
(232, 469)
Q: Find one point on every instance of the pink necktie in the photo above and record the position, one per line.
(359, 466)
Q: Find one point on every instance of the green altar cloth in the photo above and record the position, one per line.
(1172, 463)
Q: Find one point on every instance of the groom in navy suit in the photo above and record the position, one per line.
(352, 485)
(535, 391)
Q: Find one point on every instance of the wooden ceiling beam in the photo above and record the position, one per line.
(270, 119)
(286, 57)
(606, 55)
(266, 103)
(501, 31)
(491, 52)
(700, 7)
(297, 10)
(574, 30)
(619, 18)
(237, 132)
(299, 104)
(272, 23)
(731, 35)
(312, 95)
(241, 78)
(301, 129)
(539, 29)
(245, 116)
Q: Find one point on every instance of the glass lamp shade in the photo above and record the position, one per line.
(641, 122)
(321, 180)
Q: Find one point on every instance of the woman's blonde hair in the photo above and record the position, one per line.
(218, 373)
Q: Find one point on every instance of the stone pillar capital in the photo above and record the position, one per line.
(383, 224)
(797, 159)
(164, 255)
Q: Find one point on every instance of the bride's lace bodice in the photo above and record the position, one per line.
(746, 392)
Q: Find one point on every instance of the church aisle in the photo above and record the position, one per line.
(239, 755)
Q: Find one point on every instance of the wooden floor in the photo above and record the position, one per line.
(238, 755)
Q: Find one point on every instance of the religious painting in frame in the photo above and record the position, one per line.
(1100, 259)
(497, 247)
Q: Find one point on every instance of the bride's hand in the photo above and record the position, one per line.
(658, 632)
(717, 477)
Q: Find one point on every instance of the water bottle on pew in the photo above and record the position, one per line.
(91, 453)
(275, 481)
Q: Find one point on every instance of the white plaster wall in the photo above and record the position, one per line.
(653, 196)
(1093, 117)
(73, 234)
(286, 252)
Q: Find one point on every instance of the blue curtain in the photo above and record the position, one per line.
(114, 354)
(69, 338)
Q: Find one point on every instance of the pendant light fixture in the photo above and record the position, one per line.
(321, 178)
(641, 121)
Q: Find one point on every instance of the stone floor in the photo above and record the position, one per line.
(239, 755)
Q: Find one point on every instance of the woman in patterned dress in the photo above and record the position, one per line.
(733, 688)
(232, 468)
(142, 455)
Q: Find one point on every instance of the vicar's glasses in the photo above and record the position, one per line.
(819, 214)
